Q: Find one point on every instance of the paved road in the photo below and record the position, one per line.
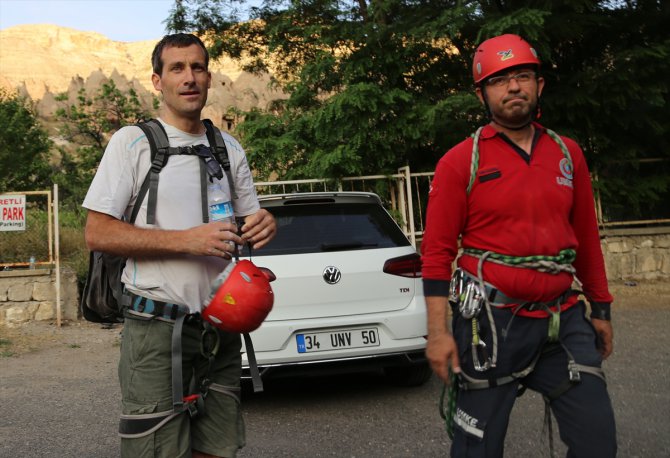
(61, 402)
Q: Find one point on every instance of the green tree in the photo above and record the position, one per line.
(88, 124)
(374, 85)
(368, 84)
(24, 146)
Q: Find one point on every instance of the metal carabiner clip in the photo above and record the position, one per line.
(479, 351)
(472, 301)
(456, 286)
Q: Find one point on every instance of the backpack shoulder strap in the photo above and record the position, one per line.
(218, 146)
(160, 153)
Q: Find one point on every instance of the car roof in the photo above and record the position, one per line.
(278, 200)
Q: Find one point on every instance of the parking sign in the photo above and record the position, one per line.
(12, 212)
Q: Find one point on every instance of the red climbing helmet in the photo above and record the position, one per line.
(499, 53)
(241, 298)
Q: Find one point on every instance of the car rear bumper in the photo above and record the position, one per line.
(366, 363)
(402, 335)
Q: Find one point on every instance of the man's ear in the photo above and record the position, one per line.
(156, 80)
(480, 96)
(540, 85)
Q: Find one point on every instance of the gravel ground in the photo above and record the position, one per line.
(51, 380)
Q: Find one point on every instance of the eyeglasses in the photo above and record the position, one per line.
(503, 80)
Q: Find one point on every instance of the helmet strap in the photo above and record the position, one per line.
(535, 115)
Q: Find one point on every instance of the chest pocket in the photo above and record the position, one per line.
(488, 175)
(474, 159)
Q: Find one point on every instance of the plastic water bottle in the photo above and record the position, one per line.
(220, 209)
(31, 263)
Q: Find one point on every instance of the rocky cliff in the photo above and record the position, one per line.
(42, 61)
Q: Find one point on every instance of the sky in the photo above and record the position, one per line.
(118, 20)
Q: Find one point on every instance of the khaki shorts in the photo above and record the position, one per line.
(146, 387)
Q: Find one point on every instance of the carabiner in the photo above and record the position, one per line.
(456, 286)
(479, 349)
(472, 301)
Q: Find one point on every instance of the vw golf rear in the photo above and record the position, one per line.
(348, 291)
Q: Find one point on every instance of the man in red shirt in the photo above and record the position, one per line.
(520, 198)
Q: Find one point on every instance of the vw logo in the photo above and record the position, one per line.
(331, 275)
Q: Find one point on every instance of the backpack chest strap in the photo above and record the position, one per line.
(213, 159)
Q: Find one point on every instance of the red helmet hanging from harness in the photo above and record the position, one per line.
(241, 298)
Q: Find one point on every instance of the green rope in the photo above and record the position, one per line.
(474, 160)
(561, 144)
(564, 257)
(449, 390)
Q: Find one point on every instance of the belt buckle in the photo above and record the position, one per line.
(138, 304)
(573, 373)
(193, 319)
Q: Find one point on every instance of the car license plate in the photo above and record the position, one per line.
(337, 340)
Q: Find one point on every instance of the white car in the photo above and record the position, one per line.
(348, 292)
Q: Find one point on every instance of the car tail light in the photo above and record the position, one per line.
(404, 266)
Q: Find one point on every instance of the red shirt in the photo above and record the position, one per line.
(518, 206)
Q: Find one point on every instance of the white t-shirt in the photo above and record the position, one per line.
(180, 279)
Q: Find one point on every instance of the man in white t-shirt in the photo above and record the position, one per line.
(174, 262)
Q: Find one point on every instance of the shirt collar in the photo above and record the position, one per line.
(489, 132)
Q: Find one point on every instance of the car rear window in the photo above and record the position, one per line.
(316, 228)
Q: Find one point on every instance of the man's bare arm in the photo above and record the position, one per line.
(107, 234)
(441, 349)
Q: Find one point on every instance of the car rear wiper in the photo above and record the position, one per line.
(346, 246)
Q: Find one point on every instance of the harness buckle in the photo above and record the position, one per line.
(191, 403)
(573, 373)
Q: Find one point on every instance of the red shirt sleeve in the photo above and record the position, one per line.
(445, 218)
(589, 264)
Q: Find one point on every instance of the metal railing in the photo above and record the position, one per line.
(407, 197)
(401, 193)
(40, 237)
(33, 245)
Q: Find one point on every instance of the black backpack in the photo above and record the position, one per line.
(103, 299)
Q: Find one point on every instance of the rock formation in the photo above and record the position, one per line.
(42, 61)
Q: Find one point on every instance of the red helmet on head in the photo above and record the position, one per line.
(241, 298)
(499, 53)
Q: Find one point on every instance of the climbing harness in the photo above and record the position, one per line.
(134, 426)
(480, 295)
